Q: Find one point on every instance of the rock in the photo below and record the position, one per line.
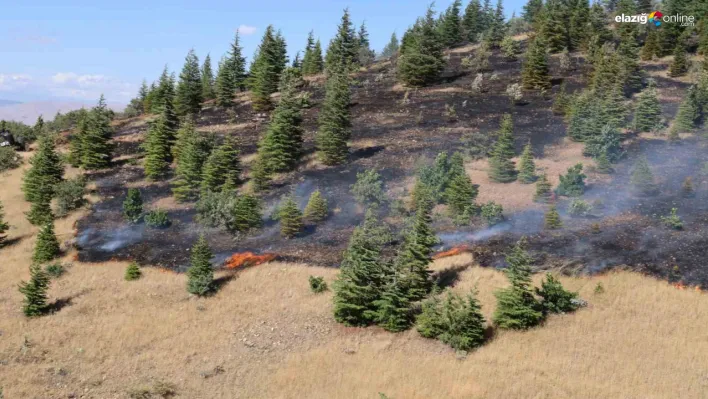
(461, 355)
(349, 351)
(249, 344)
(213, 372)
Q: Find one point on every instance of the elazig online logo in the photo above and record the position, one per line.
(657, 18)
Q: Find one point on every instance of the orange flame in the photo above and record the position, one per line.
(682, 287)
(452, 252)
(246, 259)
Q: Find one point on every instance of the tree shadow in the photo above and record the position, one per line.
(449, 277)
(367, 152)
(220, 282)
(12, 241)
(61, 303)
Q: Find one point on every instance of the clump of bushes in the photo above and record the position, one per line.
(317, 284)
(9, 159)
(579, 208)
(673, 220)
(237, 213)
(132, 272)
(70, 195)
(492, 213)
(456, 321)
(158, 219)
(55, 270)
(133, 206)
(369, 189)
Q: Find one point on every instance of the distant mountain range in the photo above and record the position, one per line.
(28, 112)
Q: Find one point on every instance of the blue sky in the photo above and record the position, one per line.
(75, 50)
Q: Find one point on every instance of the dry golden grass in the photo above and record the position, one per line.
(264, 335)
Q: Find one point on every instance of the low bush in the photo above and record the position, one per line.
(317, 284)
(157, 219)
(70, 195)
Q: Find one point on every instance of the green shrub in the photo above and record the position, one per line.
(55, 270)
(9, 159)
(555, 298)
(573, 183)
(579, 208)
(317, 284)
(368, 189)
(673, 220)
(70, 195)
(492, 213)
(133, 206)
(157, 219)
(456, 321)
(132, 272)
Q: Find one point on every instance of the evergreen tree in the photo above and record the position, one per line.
(471, 21)
(200, 274)
(501, 167)
(158, 146)
(361, 276)
(573, 183)
(647, 113)
(517, 308)
(132, 272)
(642, 179)
(608, 143)
(334, 121)
(578, 24)
(551, 219)
(533, 10)
(133, 206)
(40, 212)
(4, 226)
(35, 292)
(554, 31)
(189, 98)
(461, 321)
(266, 69)
(679, 66)
(96, 147)
(391, 49)
(308, 58)
(687, 190)
(561, 104)
(143, 93)
(281, 147)
(245, 213)
(421, 60)
(543, 189)
(316, 65)
(451, 25)
(290, 218)
(603, 164)
(535, 67)
(497, 27)
(207, 74)
(460, 194)
(631, 74)
(365, 55)
(164, 93)
(342, 53)
(316, 209)
(225, 84)
(45, 173)
(222, 165)
(527, 168)
(47, 246)
(414, 258)
(651, 48)
(393, 308)
(237, 64)
(194, 152)
(689, 113)
(76, 150)
(555, 298)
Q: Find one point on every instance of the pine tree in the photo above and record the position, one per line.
(421, 60)
(221, 166)
(193, 155)
(603, 165)
(497, 28)
(96, 147)
(631, 74)
(688, 113)
(551, 219)
(578, 34)
(391, 49)
(133, 206)
(535, 67)
(651, 48)
(543, 189)
(316, 209)
(561, 104)
(4, 226)
(40, 212)
(647, 114)
(317, 64)
(607, 143)
(308, 59)
(200, 274)
(679, 66)
(290, 218)
(517, 308)
(158, 147)
(343, 49)
(189, 98)
(527, 168)
(266, 69)
(76, 150)
(143, 93)
(334, 125)
(132, 272)
(642, 179)
(237, 64)
(245, 213)
(365, 54)
(573, 183)
(45, 173)
(501, 167)
(471, 21)
(207, 74)
(451, 27)
(260, 176)
(47, 246)
(361, 276)
(555, 298)
(225, 84)
(414, 258)
(461, 321)
(460, 194)
(281, 147)
(164, 93)
(35, 292)
(553, 29)
(393, 308)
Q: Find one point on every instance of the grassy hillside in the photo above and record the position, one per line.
(265, 335)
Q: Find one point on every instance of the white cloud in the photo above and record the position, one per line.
(10, 82)
(246, 30)
(87, 86)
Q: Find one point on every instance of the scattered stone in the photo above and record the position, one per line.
(213, 372)
(349, 351)
(461, 355)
